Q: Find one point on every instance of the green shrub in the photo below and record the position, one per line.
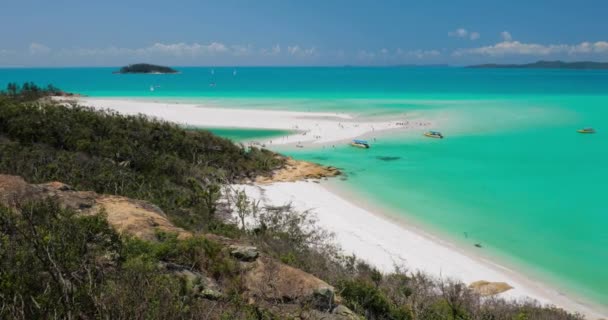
(177, 169)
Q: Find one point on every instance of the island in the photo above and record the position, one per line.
(145, 68)
(542, 64)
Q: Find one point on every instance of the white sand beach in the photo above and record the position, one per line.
(309, 127)
(385, 244)
(372, 237)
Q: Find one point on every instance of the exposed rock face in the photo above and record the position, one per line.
(197, 282)
(265, 281)
(138, 218)
(295, 170)
(244, 253)
(342, 312)
(486, 288)
(271, 280)
(135, 217)
(339, 313)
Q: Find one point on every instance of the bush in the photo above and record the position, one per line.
(134, 156)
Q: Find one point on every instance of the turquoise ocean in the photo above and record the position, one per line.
(512, 173)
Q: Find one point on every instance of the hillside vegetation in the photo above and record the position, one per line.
(61, 260)
(133, 156)
(542, 64)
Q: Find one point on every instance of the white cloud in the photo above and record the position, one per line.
(240, 50)
(172, 49)
(506, 48)
(365, 55)
(273, 51)
(37, 48)
(509, 48)
(399, 55)
(458, 33)
(301, 52)
(464, 34)
(506, 36)
(184, 49)
(5, 52)
(276, 50)
(589, 47)
(419, 54)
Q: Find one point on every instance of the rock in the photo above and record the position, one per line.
(244, 253)
(138, 218)
(325, 292)
(324, 297)
(135, 217)
(486, 288)
(196, 282)
(296, 170)
(342, 312)
(270, 280)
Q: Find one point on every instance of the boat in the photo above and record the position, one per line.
(434, 134)
(586, 130)
(360, 144)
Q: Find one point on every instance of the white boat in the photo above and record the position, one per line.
(360, 144)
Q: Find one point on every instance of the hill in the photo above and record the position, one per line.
(580, 65)
(145, 68)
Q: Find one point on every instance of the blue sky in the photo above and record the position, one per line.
(315, 32)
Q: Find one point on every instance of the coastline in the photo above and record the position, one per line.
(386, 242)
(353, 224)
(309, 128)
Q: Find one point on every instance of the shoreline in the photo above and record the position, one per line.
(386, 241)
(309, 128)
(428, 251)
(546, 288)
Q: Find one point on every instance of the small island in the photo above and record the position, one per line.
(145, 68)
(578, 65)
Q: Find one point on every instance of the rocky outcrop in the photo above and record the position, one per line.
(486, 288)
(342, 312)
(199, 284)
(296, 170)
(244, 253)
(135, 217)
(265, 281)
(338, 313)
(270, 280)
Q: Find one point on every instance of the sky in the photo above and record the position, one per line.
(300, 33)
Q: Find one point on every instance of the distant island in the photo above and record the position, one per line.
(580, 65)
(145, 68)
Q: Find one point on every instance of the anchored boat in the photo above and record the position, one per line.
(360, 144)
(586, 130)
(434, 134)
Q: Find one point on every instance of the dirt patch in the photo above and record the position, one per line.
(486, 288)
(135, 217)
